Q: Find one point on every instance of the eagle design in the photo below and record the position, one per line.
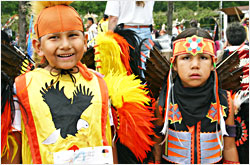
(66, 112)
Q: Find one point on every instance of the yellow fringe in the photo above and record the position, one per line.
(6, 149)
(123, 88)
(109, 54)
(38, 6)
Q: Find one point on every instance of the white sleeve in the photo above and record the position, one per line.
(112, 8)
(110, 114)
(17, 119)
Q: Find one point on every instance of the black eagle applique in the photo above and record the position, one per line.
(66, 112)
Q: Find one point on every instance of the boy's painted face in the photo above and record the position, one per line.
(193, 70)
(62, 50)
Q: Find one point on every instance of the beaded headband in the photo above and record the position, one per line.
(193, 45)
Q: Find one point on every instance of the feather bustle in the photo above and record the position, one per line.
(135, 119)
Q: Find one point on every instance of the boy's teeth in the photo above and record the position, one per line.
(65, 55)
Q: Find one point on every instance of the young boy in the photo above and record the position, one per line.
(64, 105)
(194, 109)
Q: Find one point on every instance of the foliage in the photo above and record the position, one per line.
(182, 10)
(198, 14)
(159, 19)
(8, 7)
(92, 7)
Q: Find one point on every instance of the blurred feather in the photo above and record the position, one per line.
(157, 68)
(229, 72)
(239, 98)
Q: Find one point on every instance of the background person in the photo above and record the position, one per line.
(134, 15)
(92, 31)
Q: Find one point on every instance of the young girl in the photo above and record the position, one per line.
(64, 105)
(198, 117)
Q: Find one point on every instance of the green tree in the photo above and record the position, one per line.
(182, 10)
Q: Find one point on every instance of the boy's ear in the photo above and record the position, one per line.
(212, 68)
(37, 46)
(85, 45)
(175, 66)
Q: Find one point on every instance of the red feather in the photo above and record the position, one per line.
(5, 125)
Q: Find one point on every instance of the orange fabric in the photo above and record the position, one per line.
(214, 156)
(171, 145)
(104, 93)
(171, 153)
(179, 46)
(217, 95)
(28, 119)
(84, 71)
(191, 130)
(57, 18)
(198, 146)
(229, 104)
(213, 140)
(172, 138)
(214, 148)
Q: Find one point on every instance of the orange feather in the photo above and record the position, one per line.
(135, 128)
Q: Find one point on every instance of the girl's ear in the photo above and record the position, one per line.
(37, 46)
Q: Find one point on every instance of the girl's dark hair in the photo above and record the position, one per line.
(194, 31)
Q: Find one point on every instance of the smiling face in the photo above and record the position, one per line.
(62, 50)
(193, 70)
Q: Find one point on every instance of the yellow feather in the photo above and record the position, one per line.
(38, 6)
(123, 88)
(109, 54)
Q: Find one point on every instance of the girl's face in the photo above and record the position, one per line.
(193, 70)
(62, 50)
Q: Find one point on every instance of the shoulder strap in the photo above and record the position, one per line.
(105, 97)
(23, 97)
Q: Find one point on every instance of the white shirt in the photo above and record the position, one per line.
(130, 14)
